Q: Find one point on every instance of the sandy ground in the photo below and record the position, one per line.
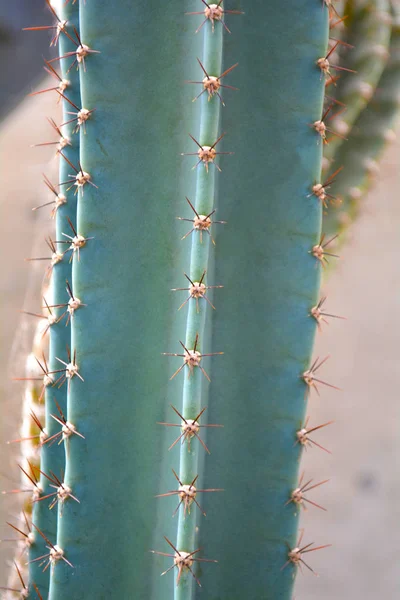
(363, 515)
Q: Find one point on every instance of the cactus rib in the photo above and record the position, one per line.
(204, 205)
(52, 455)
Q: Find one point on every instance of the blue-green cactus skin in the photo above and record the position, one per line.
(131, 150)
(52, 456)
(271, 282)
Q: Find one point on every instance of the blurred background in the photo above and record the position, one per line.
(362, 521)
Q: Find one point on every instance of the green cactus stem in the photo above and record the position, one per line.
(371, 133)
(52, 456)
(271, 282)
(369, 26)
(131, 152)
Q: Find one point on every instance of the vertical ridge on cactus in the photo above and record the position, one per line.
(208, 137)
(52, 455)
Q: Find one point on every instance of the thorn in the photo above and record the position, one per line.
(41, 436)
(295, 555)
(297, 496)
(212, 84)
(39, 595)
(62, 86)
(54, 259)
(46, 379)
(191, 358)
(303, 438)
(206, 154)
(214, 12)
(69, 372)
(321, 128)
(319, 250)
(36, 490)
(81, 115)
(336, 23)
(325, 66)
(332, 10)
(59, 201)
(309, 376)
(182, 560)
(73, 304)
(189, 428)
(56, 553)
(67, 428)
(319, 315)
(51, 318)
(23, 593)
(62, 142)
(62, 493)
(320, 189)
(77, 241)
(80, 179)
(59, 27)
(200, 223)
(27, 538)
(187, 494)
(197, 289)
(80, 54)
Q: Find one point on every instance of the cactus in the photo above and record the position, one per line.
(367, 140)
(117, 249)
(369, 26)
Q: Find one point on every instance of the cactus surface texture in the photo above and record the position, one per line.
(184, 289)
